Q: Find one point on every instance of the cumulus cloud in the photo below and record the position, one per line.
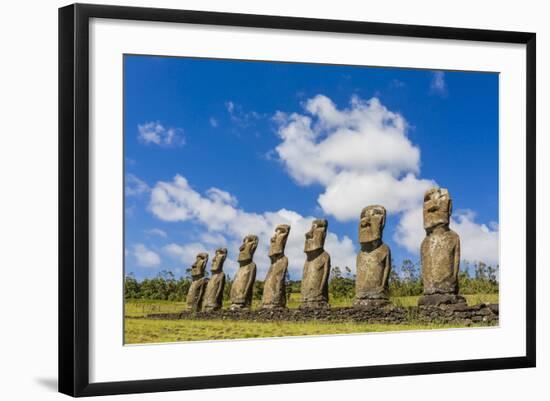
(226, 224)
(155, 133)
(213, 122)
(186, 254)
(361, 155)
(438, 84)
(145, 257)
(350, 192)
(479, 242)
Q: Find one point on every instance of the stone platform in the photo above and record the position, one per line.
(485, 314)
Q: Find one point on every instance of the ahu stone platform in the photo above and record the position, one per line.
(460, 314)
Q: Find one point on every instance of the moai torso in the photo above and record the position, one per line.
(198, 285)
(440, 254)
(274, 295)
(196, 294)
(213, 297)
(440, 250)
(314, 286)
(242, 287)
(372, 273)
(315, 280)
(274, 286)
(374, 258)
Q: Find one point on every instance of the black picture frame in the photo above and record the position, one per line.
(74, 198)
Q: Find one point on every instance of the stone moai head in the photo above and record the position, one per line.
(198, 268)
(315, 237)
(438, 207)
(371, 223)
(247, 249)
(217, 261)
(278, 241)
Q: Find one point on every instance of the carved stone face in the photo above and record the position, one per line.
(371, 224)
(278, 241)
(198, 268)
(247, 249)
(217, 261)
(315, 237)
(437, 208)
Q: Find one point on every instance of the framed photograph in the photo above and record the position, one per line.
(251, 199)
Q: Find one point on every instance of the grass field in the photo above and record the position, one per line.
(138, 331)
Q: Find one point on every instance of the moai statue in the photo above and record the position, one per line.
(241, 290)
(373, 260)
(440, 251)
(213, 296)
(198, 285)
(316, 269)
(274, 295)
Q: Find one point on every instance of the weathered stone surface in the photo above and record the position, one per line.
(441, 299)
(213, 296)
(371, 303)
(241, 289)
(198, 285)
(314, 288)
(440, 249)
(373, 260)
(274, 295)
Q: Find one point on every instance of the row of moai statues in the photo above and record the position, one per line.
(440, 259)
(207, 295)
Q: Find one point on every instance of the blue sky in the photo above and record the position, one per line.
(216, 149)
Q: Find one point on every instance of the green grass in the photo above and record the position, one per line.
(142, 307)
(139, 331)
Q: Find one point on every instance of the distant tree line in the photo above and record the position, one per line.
(476, 278)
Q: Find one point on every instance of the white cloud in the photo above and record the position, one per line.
(155, 133)
(177, 201)
(213, 239)
(226, 225)
(158, 232)
(438, 84)
(409, 232)
(361, 155)
(350, 192)
(186, 254)
(133, 186)
(145, 257)
(213, 122)
(478, 242)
